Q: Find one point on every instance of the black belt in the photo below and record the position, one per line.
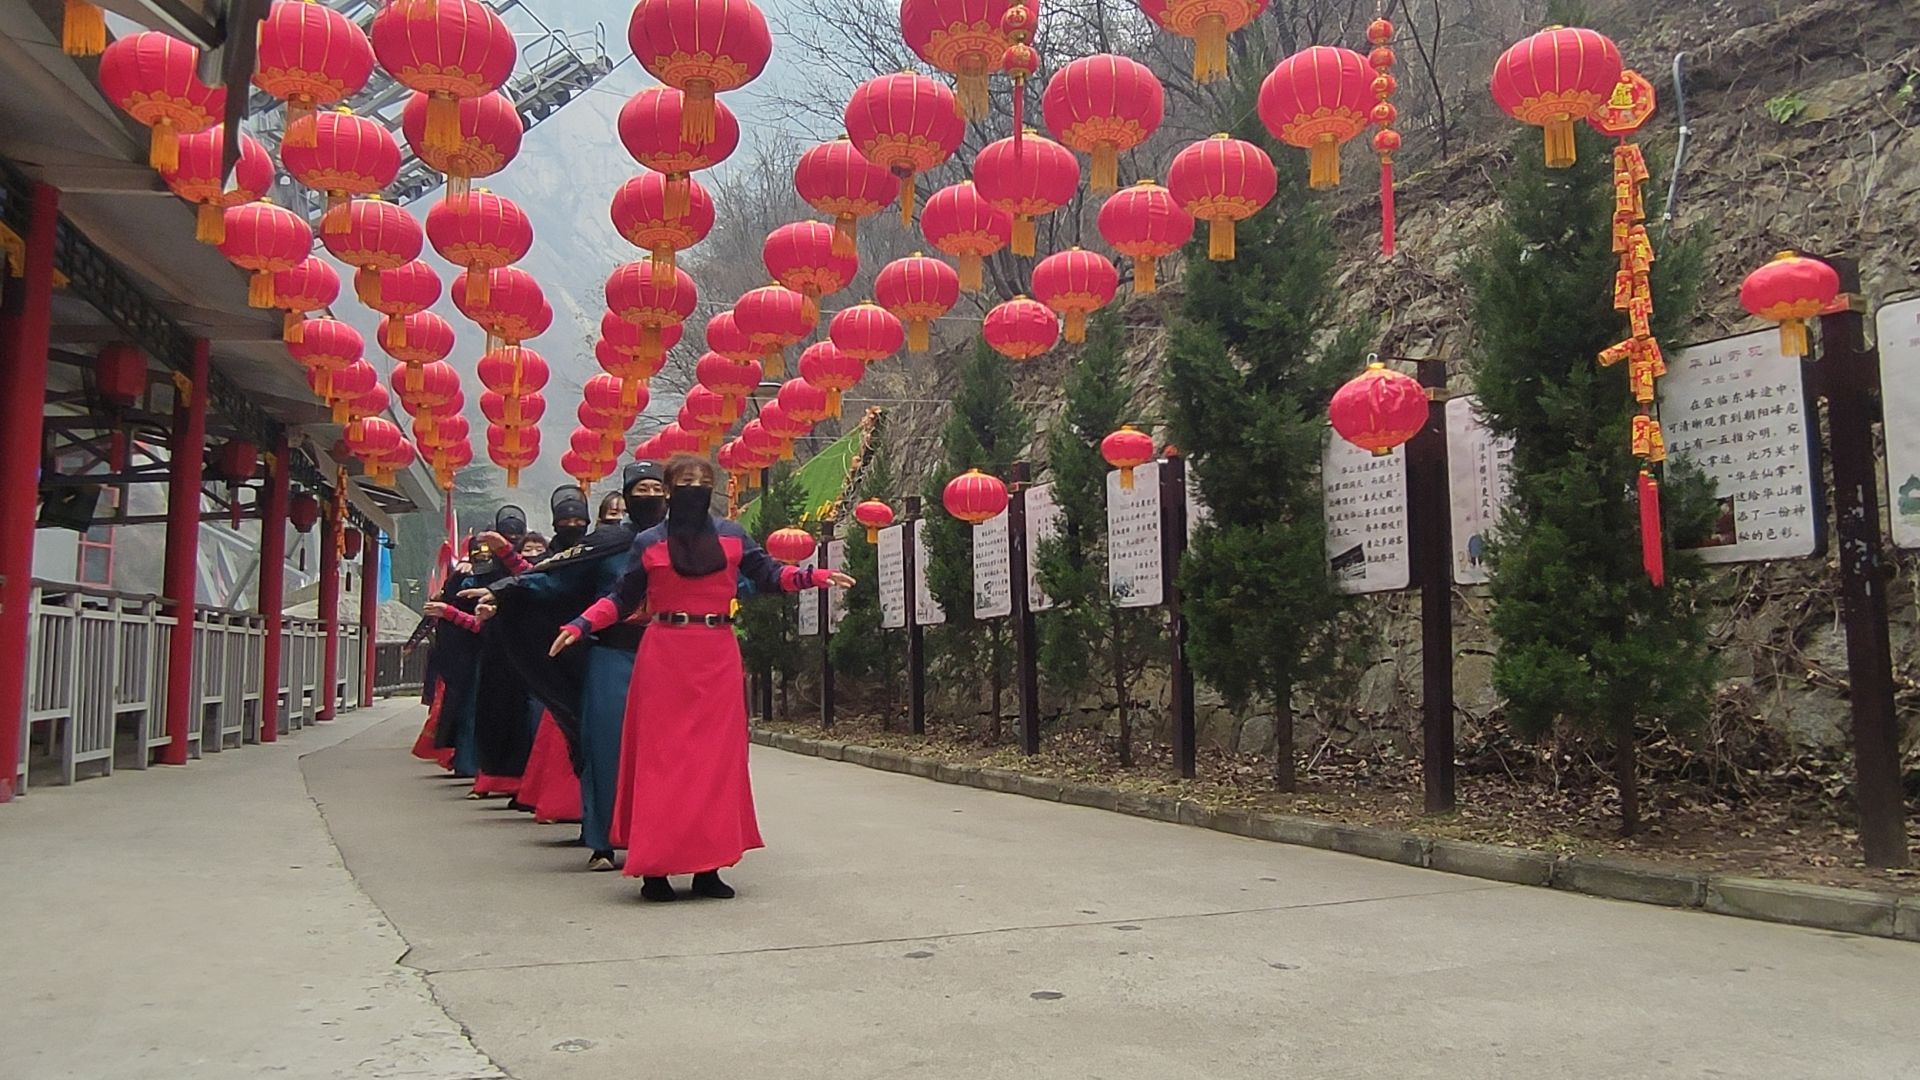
(683, 618)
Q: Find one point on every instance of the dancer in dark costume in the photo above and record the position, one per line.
(550, 786)
(502, 725)
(456, 662)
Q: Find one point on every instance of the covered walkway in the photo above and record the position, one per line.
(895, 927)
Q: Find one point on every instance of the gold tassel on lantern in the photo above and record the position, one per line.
(260, 289)
(513, 476)
(846, 228)
(971, 275)
(1210, 49)
(1126, 478)
(210, 224)
(1144, 275)
(163, 147)
(83, 29)
(970, 93)
(459, 184)
(676, 199)
(1559, 135)
(1106, 167)
(1220, 240)
(300, 124)
(366, 285)
(478, 291)
(649, 340)
(906, 200)
(918, 335)
(1076, 325)
(339, 410)
(774, 364)
(396, 329)
(294, 327)
(1024, 235)
(696, 111)
(443, 121)
(337, 219)
(1323, 164)
(663, 266)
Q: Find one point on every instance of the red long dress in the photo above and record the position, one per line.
(684, 803)
(550, 786)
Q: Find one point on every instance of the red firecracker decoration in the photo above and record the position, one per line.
(1386, 140)
(701, 48)
(1026, 183)
(641, 215)
(974, 497)
(479, 232)
(867, 332)
(774, 317)
(1103, 106)
(1221, 181)
(959, 222)
(875, 515)
(1554, 79)
(155, 79)
(917, 290)
(961, 38)
(1145, 224)
(197, 178)
(653, 130)
(1020, 62)
(835, 179)
(1790, 290)
(906, 123)
(264, 239)
(1021, 329)
(1379, 409)
(447, 50)
(1207, 22)
(1127, 449)
(309, 56)
(371, 234)
(342, 156)
(1075, 283)
(802, 256)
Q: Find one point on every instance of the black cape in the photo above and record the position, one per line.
(455, 659)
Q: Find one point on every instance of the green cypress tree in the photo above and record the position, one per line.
(861, 649)
(1585, 639)
(1254, 358)
(1084, 623)
(769, 638)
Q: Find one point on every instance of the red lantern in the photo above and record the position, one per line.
(638, 293)
(597, 445)
(311, 285)
(961, 38)
(707, 410)
(120, 374)
(520, 411)
(606, 394)
(303, 511)
(236, 462)
(512, 370)
(1379, 409)
(584, 472)
(1317, 99)
(673, 439)
(371, 234)
(443, 431)
(875, 515)
(800, 255)
(1127, 450)
(917, 290)
(791, 546)
(350, 540)
(403, 291)
(1103, 106)
(427, 338)
(632, 372)
(825, 366)
(155, 79)
(974, 497)
(1554, 79)
(774, 317)
(643, 218)
(447, 50)
(725, 337)
(906, 123)
(1075, 283)
(265, 239)
(761, 443)
(1383, 114)
(339, 387)
(1026, 183)
(1144, 223)
(732, 380)
(1790, 290)
(343, 155)
(513, 450)
(1207, 22)
(835, 179)
(197, 179)
(1222, 180)
(1021, 329)
(373, 440)
(804, 400)
(479, 232)
(960, 222)
(371, 402)
(310, 55)
(516, 307)
(490, 134)
(426, 387)
(867, 332)
(328, 346)
(702, 48)
(652, 127)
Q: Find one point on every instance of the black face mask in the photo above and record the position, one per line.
(693, 545)
(564, 538)
(646, 511)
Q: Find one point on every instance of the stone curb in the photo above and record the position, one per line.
(1852, 911)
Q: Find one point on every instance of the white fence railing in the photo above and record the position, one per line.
(97, 664)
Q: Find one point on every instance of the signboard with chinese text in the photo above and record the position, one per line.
(1479, 480)
(1134, 572)
(927, 610)
(809, 600)
(1897, 330)
(1366, 511)
(836, 598)
(1043, 524)
(891, 551)
(992, 568)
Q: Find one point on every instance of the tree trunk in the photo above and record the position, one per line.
(786, 686)
(1124, 714)
(1625, 774)
(1285, 776)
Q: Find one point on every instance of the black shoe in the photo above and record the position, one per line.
(709, 885)
(600, 860)
(657, 889)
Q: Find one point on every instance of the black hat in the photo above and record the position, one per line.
(569, 501)
(644, 469)
(510, 521)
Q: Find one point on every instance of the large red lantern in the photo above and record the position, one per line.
(638, 293)
(606, 395)
(490, 133)
(631, 340)
(825, 366)
(517, 411)
(371, 234)
(197, 179)
(513, 449)
(652, 128)
(960, 222)
(310, 55)
(641, 215)
(875, 515)
(340, 387)
(1221, 181)
(791, 546)
(1075, 283)
(701, 48)
(784, 427)
(512, 370)
(1790, 290)
(1103, 106)
(707, 409)
(974, 497)
(774, 317)
(311, 285)
(428, 339)
(120, 374)
(1379, 409)
(427, 387)
(438, 430)
(633, 372)
(906, 123)
(373, 401)
(1127, 450)
(597, 445)
(1026, 183)
(801, 255)
(264, 239)
(836, 179)
(867, 332)
(729, 378)
(447, 50)
(1021, 329)
(479, 232)
(961, 38)
(155, 79)
(674, 439)
(724, 336)
(1144, 223)
(582, 471)
(1317, 99)
(516, 307)
(1555, 79)
(343, 155)
(303, 512)
(804, 400)
(403, 291)
(1207, 22)
(380, 446)
(917, 290)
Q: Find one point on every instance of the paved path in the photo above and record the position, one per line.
(897, 928)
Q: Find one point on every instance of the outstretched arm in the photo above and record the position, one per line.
(628, 593)
(766, 575)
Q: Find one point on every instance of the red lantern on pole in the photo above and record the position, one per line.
(1103, 106)
(835, 179)
(774, 317)
(369, 235)
(1554, 79)
(1026, 183)
(343, 156)
(1207, 22)
(404, 291)
(1127, 449)
(1317, 99)
(1021, 329)
(867, 332)
(1379, 409)
(1075, 283)
(960, 222)
(961, 38)
(800, 255)
(1145, 224)
(652, 128)
(265, 239)
(791, 546)
(638, 293)
(701, 48)
(1790, 290)
(1221, 181)
(974, 497)
(490, 134)
(1383, 115)
(155, 79)
(642, 217)
(824, 366)
(310, 55)
(906, 123)
(479, 233)
(197, 178)
(875, 515)
(1020, 61)
(447, 50)
(917, 290)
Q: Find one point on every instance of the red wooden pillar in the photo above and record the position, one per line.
(179, 582)
(273, 586)
(330, 604)
(24, 326)
(369, 610)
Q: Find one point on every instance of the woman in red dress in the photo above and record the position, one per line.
(684, 802)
